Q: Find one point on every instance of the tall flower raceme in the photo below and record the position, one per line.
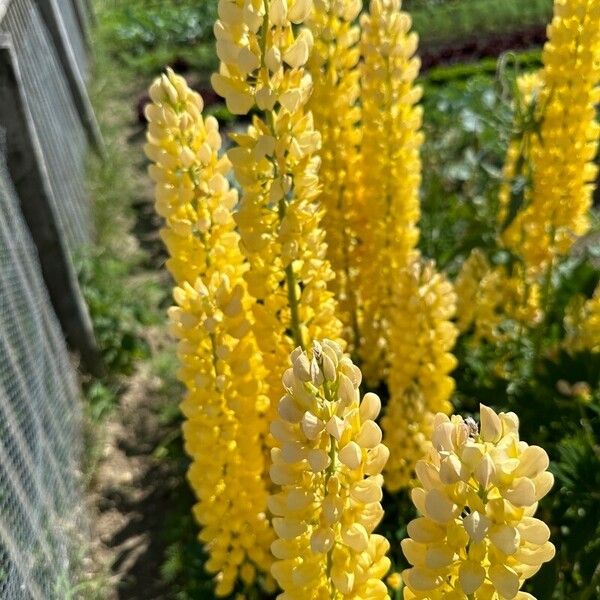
(328, 464)
(220, 364)
(560, 154)
(422, 337)
(549, 171)
(391, 139)
(333, 65)
(479, 489)
(263, 56)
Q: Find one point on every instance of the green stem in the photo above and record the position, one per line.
(587, 427)
(265, 29)
(351, 295)
(329, 396)
(290, 276)
(539, 335)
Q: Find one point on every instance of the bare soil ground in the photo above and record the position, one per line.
(132, 490)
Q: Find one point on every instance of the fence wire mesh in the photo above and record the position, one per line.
(41, 514)
(75, 35)
(62, 137)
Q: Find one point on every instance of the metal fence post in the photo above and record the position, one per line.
(29, 173)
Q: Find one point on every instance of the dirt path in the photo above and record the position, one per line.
(133, 490)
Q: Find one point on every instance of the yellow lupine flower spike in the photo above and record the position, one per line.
(275, 161)
(420, 357)
(328, 464)
(391, 140)
(561, 153)
(333, 65)
(220, 363)
(479, 488)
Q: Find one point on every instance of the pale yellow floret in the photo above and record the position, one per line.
(327, 464)
(479, 488)
(391, 140)
(220, 364)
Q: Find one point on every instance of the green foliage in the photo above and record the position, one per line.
(142, 25)
(462, 165)
(101, 399)
(183, 569)
(118, 312)
(453, 74)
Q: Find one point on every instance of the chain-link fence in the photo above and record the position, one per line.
(40, 424)
(61, 134)
(44, 222)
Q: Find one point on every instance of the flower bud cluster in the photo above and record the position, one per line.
(420, 363)
(391, 140)
(479, 489)
(582, 324)
(263, 50)
(221, 367)
(327, 462)
(333, 65)
(561, 153)
(488, 297)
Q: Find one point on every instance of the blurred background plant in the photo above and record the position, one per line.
(148, 34)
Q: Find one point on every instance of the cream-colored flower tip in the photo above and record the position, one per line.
(248, 78)
(328, 464)
(263, 47)
(479, 488)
